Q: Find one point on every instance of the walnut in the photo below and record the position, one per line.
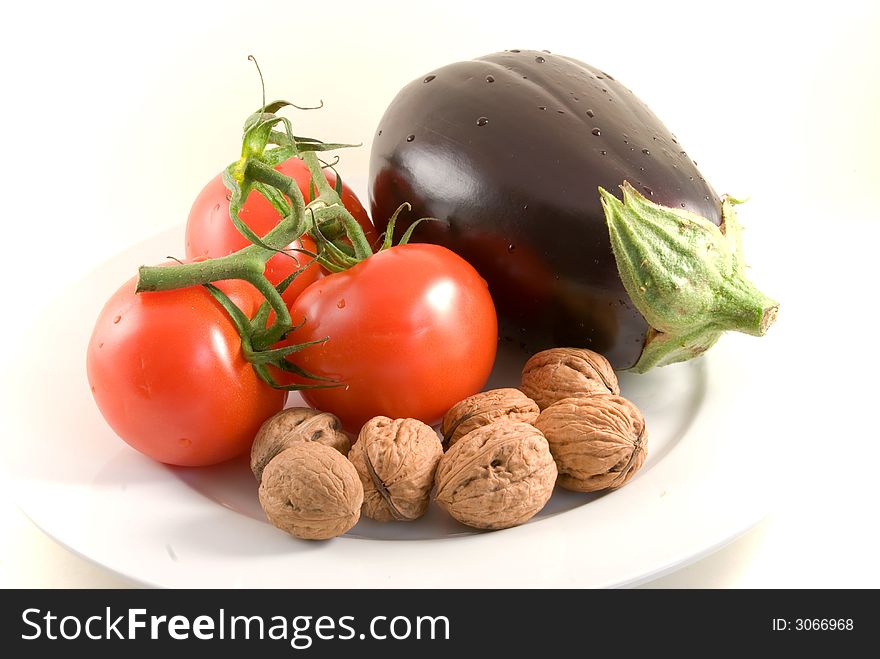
(496, 476)
(396, 460)
(484, 408)
(560, 373)
(311, 491)
(295, 424)
(598, 442)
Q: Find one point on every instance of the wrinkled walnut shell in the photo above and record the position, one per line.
(396, 460)
(311, 491)
(484, 408)
(559, 373)
(295, 424)
(496, 476)
(598, 442)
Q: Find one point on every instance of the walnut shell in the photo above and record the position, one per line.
(559, 373)
(311, 491)
(396, 460)
(598, 442)
(496, 476)
(484, 408)
(295, 424)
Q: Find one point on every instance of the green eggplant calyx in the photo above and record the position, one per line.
(685, 275)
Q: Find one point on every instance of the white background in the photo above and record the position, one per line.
(115, 115)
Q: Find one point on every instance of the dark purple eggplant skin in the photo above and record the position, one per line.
(509, 150)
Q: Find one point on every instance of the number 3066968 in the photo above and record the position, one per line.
(813, 624)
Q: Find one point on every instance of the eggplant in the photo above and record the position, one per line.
(521, 154)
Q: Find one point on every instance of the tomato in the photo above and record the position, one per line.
(167, 372)
(412, 330)
(210, 232)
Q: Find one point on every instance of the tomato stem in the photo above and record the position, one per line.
(335, 208)
(235, 266)
(263, 173)
(325, 218)
(262, 338)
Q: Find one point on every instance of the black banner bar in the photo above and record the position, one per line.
(398, 623)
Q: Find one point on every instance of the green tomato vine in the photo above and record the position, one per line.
(268, 141)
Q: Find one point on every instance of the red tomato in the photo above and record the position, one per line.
(167, 372)
(412, 330)
(210, 232)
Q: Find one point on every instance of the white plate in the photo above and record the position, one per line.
(701, 485)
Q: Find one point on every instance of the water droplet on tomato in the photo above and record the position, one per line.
(490, 79)
(93, 388)
(116, 319)
(410, 138)
(542, 107)
(603, 152)
(590, 114)
(511, 248)
(682, 204)
(216, 208)
(340, 304)
(184, 442)
(100, 344)
(514, 51)
(540, 60)
(482, 121)
(646, 152)
(648, 190)
(596, 132)
(380, 132)
(429, 78)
